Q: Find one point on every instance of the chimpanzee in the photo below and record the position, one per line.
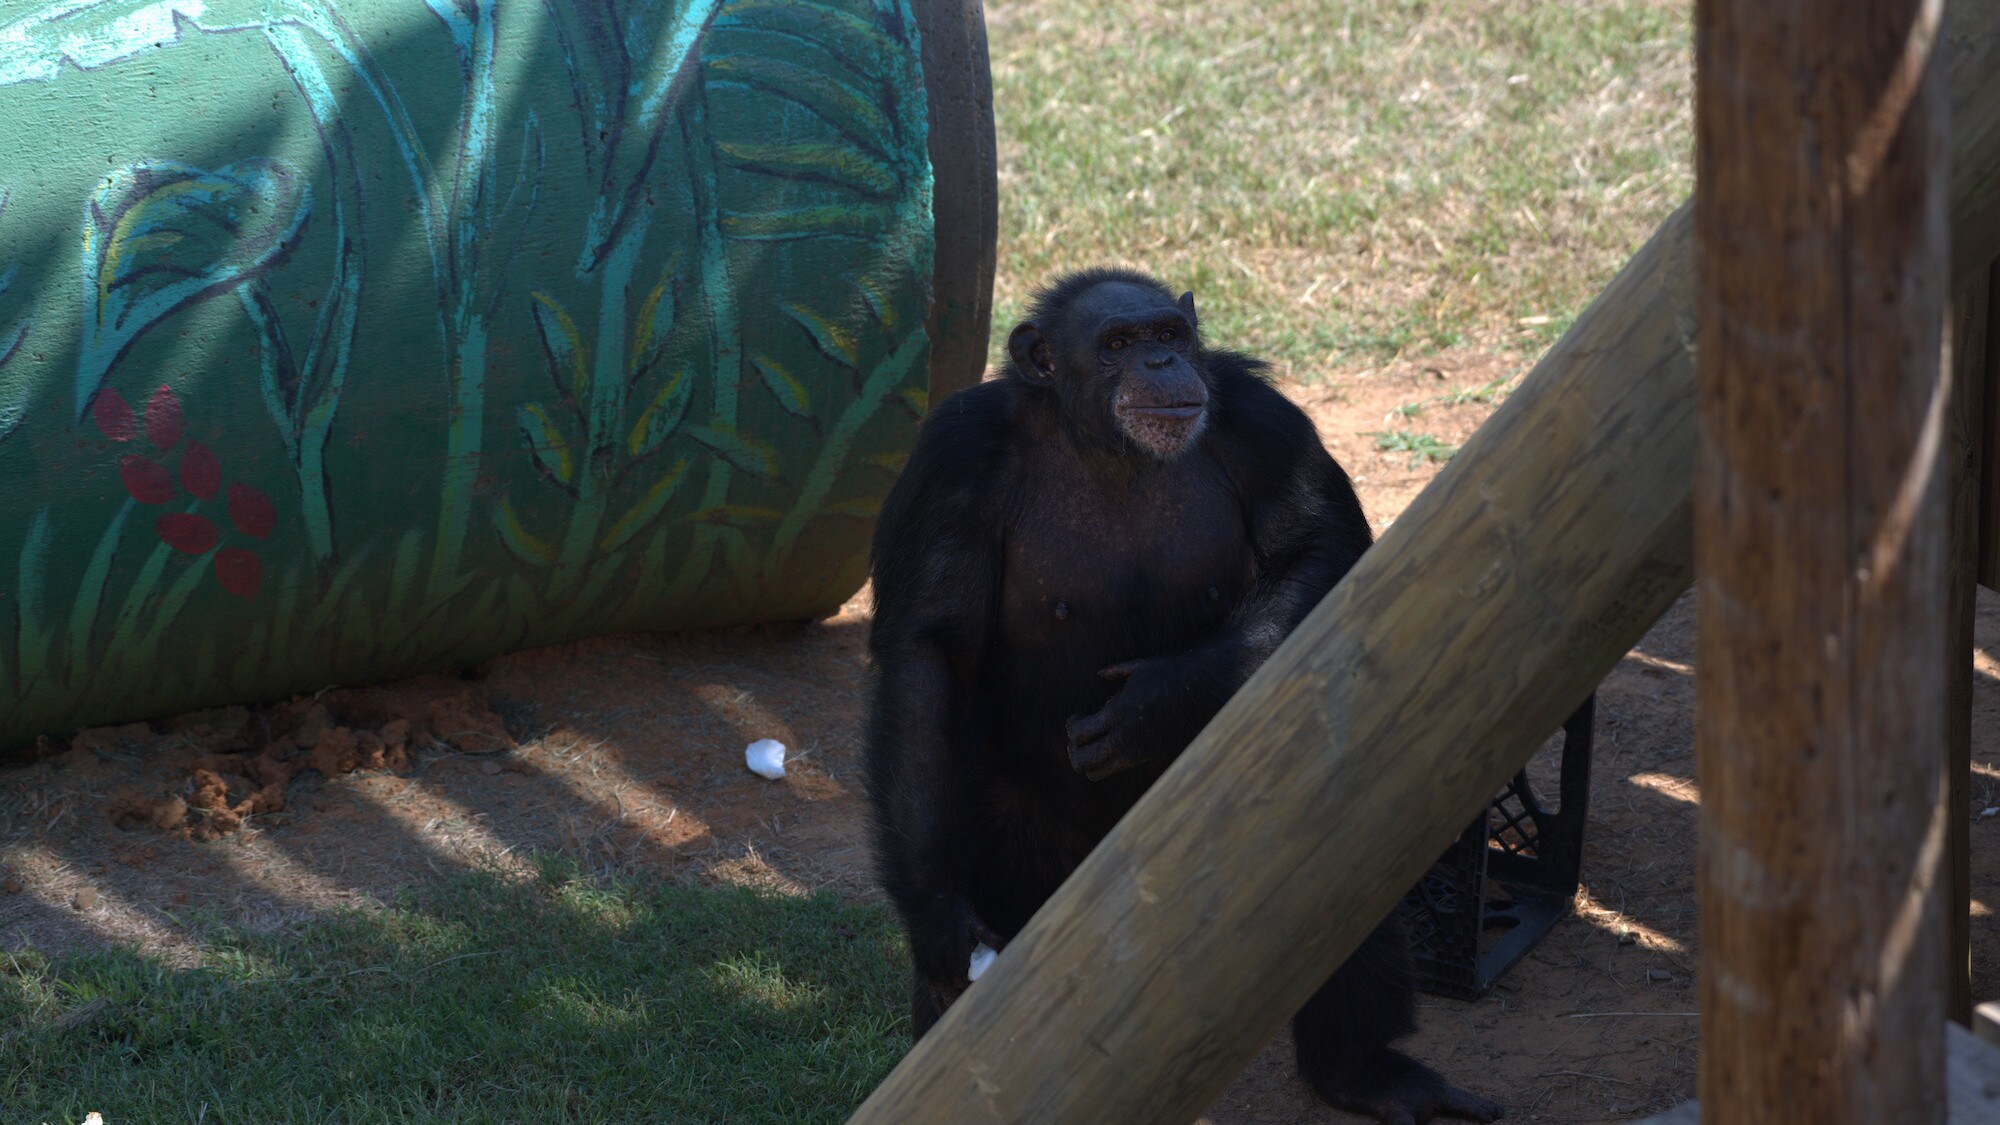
(1081, 563)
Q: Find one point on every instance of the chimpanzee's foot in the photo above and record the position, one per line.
(1398, 1090)
(928, 1001)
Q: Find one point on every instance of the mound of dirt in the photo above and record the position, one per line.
(210, 771)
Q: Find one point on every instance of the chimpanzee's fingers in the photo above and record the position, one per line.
(987, 936)
(1116, 762)
(1089, 728)
(1120, 671)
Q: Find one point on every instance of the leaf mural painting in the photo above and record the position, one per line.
(160, 235)
(397, 335)
(13, 390)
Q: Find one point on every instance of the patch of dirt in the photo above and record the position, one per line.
(626, 752)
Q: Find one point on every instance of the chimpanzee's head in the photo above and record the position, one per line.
(1122, 357)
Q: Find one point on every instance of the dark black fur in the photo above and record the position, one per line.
(1030, 545)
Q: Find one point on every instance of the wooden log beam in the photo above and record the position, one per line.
(1822, 550)
(1394, 712)
(1971, 1088)
(1971, 354)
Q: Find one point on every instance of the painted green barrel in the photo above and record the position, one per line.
(346, 338)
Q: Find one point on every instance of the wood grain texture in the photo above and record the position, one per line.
(1293, 823)
(1972, 1084)
(1821, 545)
(1971, 353)
(965, 196)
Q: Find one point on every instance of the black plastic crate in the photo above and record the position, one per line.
(1506, 880)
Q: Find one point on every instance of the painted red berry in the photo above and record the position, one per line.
(185, 531)
(251, 511)
(238, 571)
(200, 471)
(163, 418)
(113, 415)
(146, 479)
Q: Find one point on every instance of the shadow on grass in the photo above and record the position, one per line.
(477, 998)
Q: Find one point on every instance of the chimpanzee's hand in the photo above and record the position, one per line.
(1148, 716)
(942, 947)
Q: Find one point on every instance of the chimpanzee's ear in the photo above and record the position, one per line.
(1031, 353)
(1187, 306)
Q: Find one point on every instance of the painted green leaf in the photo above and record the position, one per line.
(525, 545)
(548, 446)
(918, 399)
(563, 348)
(892, 461)
(661, 415)
(734, 515)
(748, 454)
(836, 164)
(645, 511)
(784, 386)
(863, 221)
(653, 327)
(840, 105)
(13, 389)
(160, 235)
(835, 339)
(647, 339)
(874, 285)
(863, 46)
(865, 508)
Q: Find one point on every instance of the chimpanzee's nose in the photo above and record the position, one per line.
(1159, 359)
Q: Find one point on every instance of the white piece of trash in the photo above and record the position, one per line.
(982, 956)
(766, 758)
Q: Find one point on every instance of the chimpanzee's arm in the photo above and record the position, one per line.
(936, 572)
(1305, 528)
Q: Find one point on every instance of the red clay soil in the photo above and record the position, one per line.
(626, 752)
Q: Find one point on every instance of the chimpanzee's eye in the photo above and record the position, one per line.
(1166, 335)
(1114, 343)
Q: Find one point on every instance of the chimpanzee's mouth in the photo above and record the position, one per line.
(1180, 412)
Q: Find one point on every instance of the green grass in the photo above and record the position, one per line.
(1484, 394)
(477, 999)
(1341, 181)
(1421, 447)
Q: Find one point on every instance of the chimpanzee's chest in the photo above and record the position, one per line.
(1124, 566)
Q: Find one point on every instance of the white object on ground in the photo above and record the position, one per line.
(1984, 813)
(766, 758)
(982, 956)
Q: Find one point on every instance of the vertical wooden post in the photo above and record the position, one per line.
(1971, 352)
(1820, 535)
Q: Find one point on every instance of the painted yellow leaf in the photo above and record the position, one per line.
(738, 515)
(546, 443)
(835, 339)
(563, 344)
(865, 508)
(643, 512)
(784, 386)
(746, 453)
(661, 415)
(875, 290)
(837, 164)
(524, 543)
(864, 221)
